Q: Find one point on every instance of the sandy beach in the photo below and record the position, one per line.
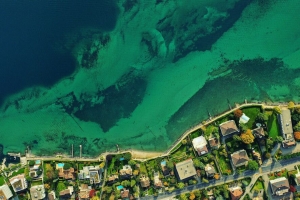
(136, 154)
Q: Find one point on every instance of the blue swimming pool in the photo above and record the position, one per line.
(60, 165)
(120, 187)
(37, 162)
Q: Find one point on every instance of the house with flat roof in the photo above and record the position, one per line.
(84, 192)
(258, 133)
(279, 186)
(185, 169)
(51, 195)
(157, 181)
(92, 173)
(5, 192)
(228, 128)
(37, 192)
(126, 172)
(199, 144)
(145, 182)
(244, 119)
(286, 128)
(125, 194)
(18, 183)
(239, 158)
(209, 170)
(235, 192)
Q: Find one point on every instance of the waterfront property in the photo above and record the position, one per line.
(228, 128)
(239, 158)
(18, 183)
(199, 144)
(280, 186)
(185, 170)
(91, 173)
(214, 143)
(5, 192)
(286, 128)
(244, 119)
(126, 172)
(37, 192)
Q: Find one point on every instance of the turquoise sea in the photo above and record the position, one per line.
(137, 73)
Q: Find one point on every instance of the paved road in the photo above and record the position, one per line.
(274, 166)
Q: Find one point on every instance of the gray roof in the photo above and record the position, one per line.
(279, 184)
(239, 157)
(228, 128)
(186, 169)
(286, 122)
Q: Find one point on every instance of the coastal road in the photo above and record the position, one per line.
(274, 166)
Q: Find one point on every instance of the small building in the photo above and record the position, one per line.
(84, 192)
(228, 128)
(37, 192)
(244, 119)
(65, 173)
(214, 143)
(185, 169)
(145, 182)
(209, 170)
(199, 144)
(125, 194)
(239, 158)
(5, 192)
(297, 179)
(51, 195)
(258, 133)
(286, 124)
(157, 181)
(288, 143)
(67, 193)
(18, 183)
(280, 186)
(257, 157)
(236, 192)
(92, 173)
(126, 172)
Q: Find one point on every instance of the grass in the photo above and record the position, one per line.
(275, 175)
(224, 165)
(182, 153)
(273, 126)
(2, 182)
(34, 183)
(259, 185)
(251, 112)
(20, 171)
(210, 129)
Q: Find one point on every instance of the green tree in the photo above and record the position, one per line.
(229, 144)
(180, 185)
(196, 162)
(67, 166)
(291, 105)
(277, 110)
(183, 197)
(267, 155)
(184, 141)
(131, 162)
(126, 183)
(243, 127)
(127, 156)
(279, 139)
(170, 164)
(204, 180)
(132, 183)
(237, 138)
(108, 189)
(31, 163)
(262, 117)
(197, 193)
(253, 165)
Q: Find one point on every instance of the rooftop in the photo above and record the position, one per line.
(280, 186)
(186, 169)
(239, 157)
(286, 124)
(5, 192)
(236, 192)
(18, 182)
(37, 192)
(199, 144)
(228, 128)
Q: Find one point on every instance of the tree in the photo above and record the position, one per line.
(267, 155)
(192, 196)
(197, 193)
(108, 189)
(132, 183)
(127, 156)
(279, 139)
(291, 105)
(297, 127)
(170, 164)
(253, 165)
(102, 165)
(196, 162)
(184, 142)
(297, 135)
(237, 138)
(243, 127)
(183, 197)
(247, 137)
(277, 110)
(238, 113)
(215, 152)
(67, 166)
(263, 117)
(131, 162)
(125, 183)
(217, 176)
(31, 163)
(204, 180)
(180, 185)
(135, 172)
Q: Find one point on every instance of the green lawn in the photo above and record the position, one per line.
(2, 182)
(259, 185)
(251, 112)
(20, 171)
(209, 129)
(224, 165)
(273, 126)
(33, 183)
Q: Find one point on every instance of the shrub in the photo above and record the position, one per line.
(297, 135)
(31, 163)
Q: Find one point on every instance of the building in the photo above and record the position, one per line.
(18, 183)
(126, 172)
(214, 143)
(297, 179)
(125, 194)
(286, 124)
(228, 128)
(257, 157)
(279, 186)
(84, 193)
(185, 169)
(258, 132)
(239, 158)
(67, 193)
(5, 192)
(92, 173)
(236, 192)
(37, 192)
(199, 144)
(51, 195)
(209, 170)
(157, 181)
(244, 119)
(164, 168)
(145, 182)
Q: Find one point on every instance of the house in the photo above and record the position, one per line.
(92, 173)
(279, 186)
(67, 193)
(65, 173)
(112, 179)
(199, 144)
(239, 158)
(236, 192)
(164, 168)
(244, 119)
(37, 192)
(157, 181)
(259, 133)
(214, 143)
(84, 192)
(185, 169)
(33, 171)
(286, 124)
(145, 182)
(18, 183)
(228, 128)
(297, 179)
(257, 157)
(288, 143)
(126, 172)
(125, 194)
(5, 192)
(51, 195)
(209, 170)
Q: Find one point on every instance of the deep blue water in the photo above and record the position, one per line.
(28, 30)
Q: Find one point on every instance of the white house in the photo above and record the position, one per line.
(199, 144)
(244, 119)
(5, 192)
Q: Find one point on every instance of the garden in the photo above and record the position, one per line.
(278, 174)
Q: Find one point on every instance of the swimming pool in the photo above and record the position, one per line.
(60, 165)
(120, 187)
(37, 162)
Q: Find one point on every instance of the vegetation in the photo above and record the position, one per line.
(31, 163)
(238, 113)
(247, 137)
(273, 126)
(297, 135)
(253, 165)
